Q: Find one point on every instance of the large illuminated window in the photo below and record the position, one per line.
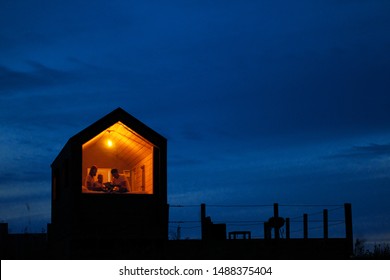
(119, 147)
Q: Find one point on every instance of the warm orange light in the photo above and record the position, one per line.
(109, 143)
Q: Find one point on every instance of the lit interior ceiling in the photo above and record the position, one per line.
(121, 140)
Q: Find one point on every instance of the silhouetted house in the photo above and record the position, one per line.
(118, 140)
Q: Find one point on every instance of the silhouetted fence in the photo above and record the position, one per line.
(266, 221)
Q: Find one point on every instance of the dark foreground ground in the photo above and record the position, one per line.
(37, 246)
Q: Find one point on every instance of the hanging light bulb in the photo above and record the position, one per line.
(109, 143)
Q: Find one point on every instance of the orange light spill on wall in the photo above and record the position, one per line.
(109, 143)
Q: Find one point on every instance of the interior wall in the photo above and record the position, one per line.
(143, 175)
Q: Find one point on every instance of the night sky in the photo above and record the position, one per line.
(261, 101)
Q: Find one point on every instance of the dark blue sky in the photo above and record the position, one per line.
(261, 101)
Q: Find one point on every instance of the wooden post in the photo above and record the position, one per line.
(202, 220)
(305, 226)
(267, 231)
(178, 232)
(287, 228)
(348, 225)
(325, 221)
(276, 216)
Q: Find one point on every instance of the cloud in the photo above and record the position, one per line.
(185, 162)
(39, 76)
(10, 177)
(25, 191)
(363, 152)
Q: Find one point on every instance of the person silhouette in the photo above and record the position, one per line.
(98, 185)
(90, 178)
(119, 181)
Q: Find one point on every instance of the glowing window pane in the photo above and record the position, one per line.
(120, 147)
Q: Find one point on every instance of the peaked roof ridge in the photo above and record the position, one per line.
(117, 115)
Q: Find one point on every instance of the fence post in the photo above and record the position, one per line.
(267, 231)
(276, 216)
(202, 220)
(305, 226)
(178, 232)
(348, 226)
(287, 228)
(325, 221)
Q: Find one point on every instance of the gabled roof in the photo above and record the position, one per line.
(118, 115)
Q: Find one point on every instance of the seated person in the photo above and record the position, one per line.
(119, 181)
(99, 186)
(90, 180)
